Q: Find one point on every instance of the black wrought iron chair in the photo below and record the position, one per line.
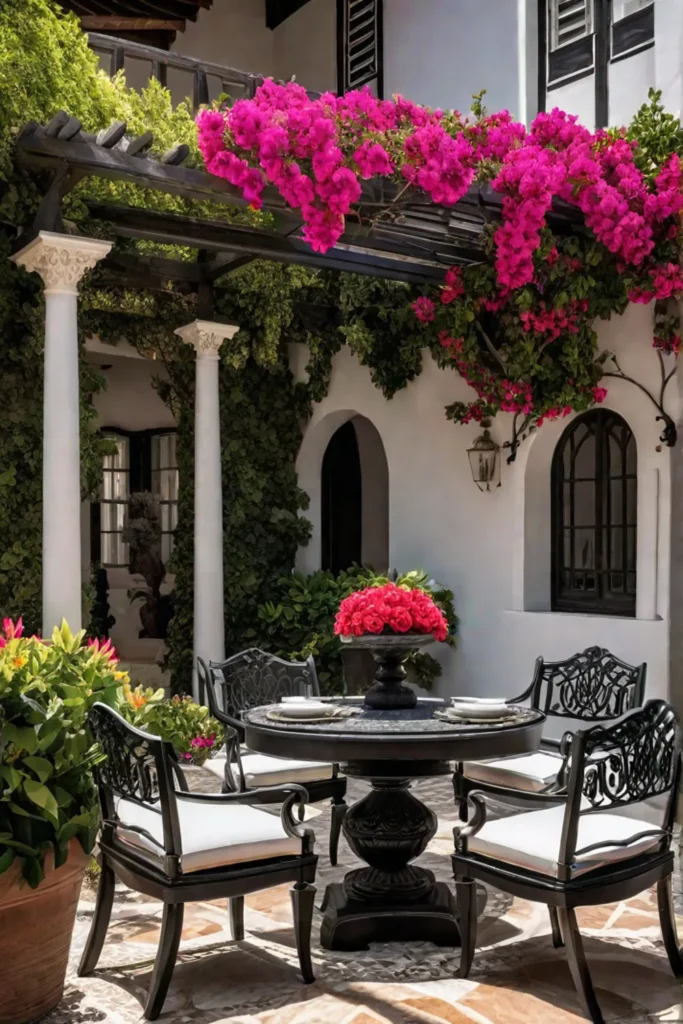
(576, 854)
(248, 680)
(593, 686)
(181, 847)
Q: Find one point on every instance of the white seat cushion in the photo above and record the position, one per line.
(528, 772)
(263, 770)
(532, 840)
(213, 835)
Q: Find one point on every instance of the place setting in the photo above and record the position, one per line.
(483, 712)
(309, 710)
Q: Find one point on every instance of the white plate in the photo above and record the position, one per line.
(475, 709)
(303, 709)
(479, 700)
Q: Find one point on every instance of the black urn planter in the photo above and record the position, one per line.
(390, 651)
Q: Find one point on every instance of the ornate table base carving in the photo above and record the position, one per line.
(390, 899)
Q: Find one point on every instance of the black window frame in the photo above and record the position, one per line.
(603, 599)
(139, 479)
(611, 41)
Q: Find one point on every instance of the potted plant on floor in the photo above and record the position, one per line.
(48, 805)
(180, 721)
(390, 619)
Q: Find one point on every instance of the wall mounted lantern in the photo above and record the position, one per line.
(484, 456)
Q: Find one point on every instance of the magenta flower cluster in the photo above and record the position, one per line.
(317, 152)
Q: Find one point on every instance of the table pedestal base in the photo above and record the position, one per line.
(391, 899)
(351, 924)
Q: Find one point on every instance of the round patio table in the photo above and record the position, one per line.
(390, 899)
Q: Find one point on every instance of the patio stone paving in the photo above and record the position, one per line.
(517, 977)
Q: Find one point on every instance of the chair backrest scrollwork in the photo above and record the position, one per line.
(253, 678)
(139, 768)
(629, 761)
(591, 686)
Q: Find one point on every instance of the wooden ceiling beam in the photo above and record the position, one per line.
(114, 23)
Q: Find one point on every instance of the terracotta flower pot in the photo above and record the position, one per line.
(35, 935)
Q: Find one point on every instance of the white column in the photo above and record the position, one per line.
(209, 634)
(61, 261)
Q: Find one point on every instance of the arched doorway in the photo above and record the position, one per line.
(342, 501)
(354, 489)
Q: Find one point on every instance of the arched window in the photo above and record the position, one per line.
(594, 516)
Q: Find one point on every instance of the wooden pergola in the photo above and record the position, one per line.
(413, 241)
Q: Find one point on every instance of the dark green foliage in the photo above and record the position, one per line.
(298, 620)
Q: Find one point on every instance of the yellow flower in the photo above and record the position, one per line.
(122, 675)
(20, 661)
(139, 701)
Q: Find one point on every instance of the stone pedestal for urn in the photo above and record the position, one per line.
(390, 651)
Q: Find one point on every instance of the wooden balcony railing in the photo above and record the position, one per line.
(208, 80)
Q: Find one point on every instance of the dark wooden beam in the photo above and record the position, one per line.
(114, 24)
(214, 236)
(159, 266)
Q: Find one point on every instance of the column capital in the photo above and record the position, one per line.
(61, 260)
(207, 336)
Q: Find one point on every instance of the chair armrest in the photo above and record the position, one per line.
(291, 793)
(544, 797)
(461, 833)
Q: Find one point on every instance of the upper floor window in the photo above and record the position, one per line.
(360, 45)
(633, 27)
(571, 49)
(594, 516)
(579, 38)
(143, 461)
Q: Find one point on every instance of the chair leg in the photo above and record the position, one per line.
(578, 965)
(339, 810)
(667, 921)
(466, 896)
(171, 929)
(558, 941)
(303, 895)
(100, 921)
(237, 917)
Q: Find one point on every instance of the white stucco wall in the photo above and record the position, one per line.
(487, 546)
(629, 81)
(440, 52)
(575, 98)
(233, 33)
(305, 46)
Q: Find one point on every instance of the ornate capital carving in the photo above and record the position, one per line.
(61, 260)
(206, 336)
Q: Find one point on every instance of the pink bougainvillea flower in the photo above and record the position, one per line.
(599, 394)
(424, 309)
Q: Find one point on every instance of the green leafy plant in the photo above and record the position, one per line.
(47, 793)
(299, 621)
(194, 734)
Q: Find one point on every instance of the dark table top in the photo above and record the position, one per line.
(391, 735)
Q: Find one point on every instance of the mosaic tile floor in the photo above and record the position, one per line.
(517, 978)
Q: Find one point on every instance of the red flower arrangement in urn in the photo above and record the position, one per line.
(390, 620)
(390, 609)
